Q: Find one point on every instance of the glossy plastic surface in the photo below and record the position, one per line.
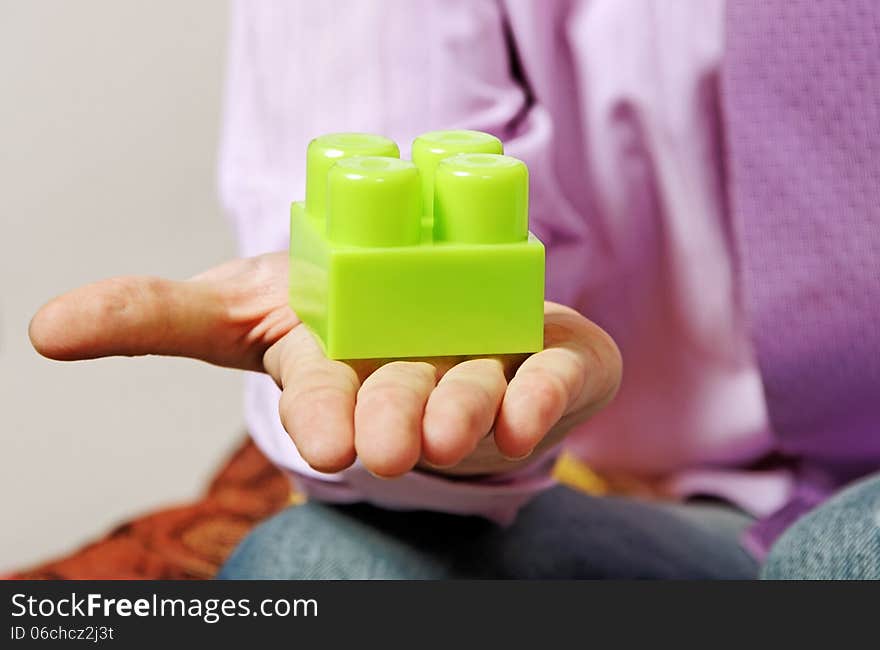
(430, 148)
(375, 274)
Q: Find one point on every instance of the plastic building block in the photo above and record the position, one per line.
(391, 258)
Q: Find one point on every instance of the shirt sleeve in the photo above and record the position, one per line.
(398, 68)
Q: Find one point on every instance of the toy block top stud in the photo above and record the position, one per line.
(432, 147)
(374, 201)
(481, 198)
(323, 152)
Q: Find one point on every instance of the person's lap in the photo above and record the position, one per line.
(560, 534)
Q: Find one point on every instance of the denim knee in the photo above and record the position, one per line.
(840, 540)
(320, 542)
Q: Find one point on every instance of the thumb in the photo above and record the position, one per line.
(129, 316)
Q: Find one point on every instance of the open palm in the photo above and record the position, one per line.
(454, 415)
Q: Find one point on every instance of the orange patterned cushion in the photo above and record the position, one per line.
(186, 542)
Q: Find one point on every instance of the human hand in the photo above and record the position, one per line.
(435, 412)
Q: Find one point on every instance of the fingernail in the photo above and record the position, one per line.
(513, 459)
(430, 465)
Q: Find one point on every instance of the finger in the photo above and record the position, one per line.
(317, 400)
(577, 373)
(461, 410)
(228, 315)
(388, 416)
(129, 316)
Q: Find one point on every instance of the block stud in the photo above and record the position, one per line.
(327, 150)
(481, 199)
(374, 201)
(430, 148)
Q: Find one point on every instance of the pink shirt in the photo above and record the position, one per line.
(616, 109)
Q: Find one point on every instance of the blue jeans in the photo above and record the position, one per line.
(839, 540)
(560, 534)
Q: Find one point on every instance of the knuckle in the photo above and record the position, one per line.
(317, 374)
(129, 300)
(391, 399)
(417, 371)
(346, 373)
(382, 399)
(116, 302)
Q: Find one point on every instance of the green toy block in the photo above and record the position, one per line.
(392, 259)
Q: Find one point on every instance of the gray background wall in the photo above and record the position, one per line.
(109, 113)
